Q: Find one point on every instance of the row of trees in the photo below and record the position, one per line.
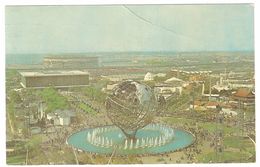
(13, 99)
(86, 108)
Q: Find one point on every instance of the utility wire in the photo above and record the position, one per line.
(153, 24)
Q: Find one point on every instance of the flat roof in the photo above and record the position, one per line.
(52, 73)
(70, 57)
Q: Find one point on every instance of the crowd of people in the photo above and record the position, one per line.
(84, 120)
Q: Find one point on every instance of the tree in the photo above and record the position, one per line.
(15, 97)
(53, 99)
(33, 143)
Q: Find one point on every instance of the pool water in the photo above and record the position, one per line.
(180, 139)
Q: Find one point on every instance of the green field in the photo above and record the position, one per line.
(16, 160)
(224, 157)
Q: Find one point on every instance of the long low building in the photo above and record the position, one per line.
(36, 79)
(70, 61)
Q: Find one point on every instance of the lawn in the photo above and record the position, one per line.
(239, 142)
(224, 157)
(177, 121)
(86, 108)
(16, 160)
(232, 152)
(210, 126)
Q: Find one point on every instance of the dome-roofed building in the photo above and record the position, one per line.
(148, 77)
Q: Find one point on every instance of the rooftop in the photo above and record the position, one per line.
(72, 56)
(62, 113)
(52, 73)
(173, 79)
(243, 92)
(191, 72)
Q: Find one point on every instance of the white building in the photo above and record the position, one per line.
(109, 87)
(176, 81)
(150, 76)
(160, 75)
(61, 117)
(238, 85)
(167, 90)
(122, 77)
(228, 112)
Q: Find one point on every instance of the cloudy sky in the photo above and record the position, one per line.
(61, 29)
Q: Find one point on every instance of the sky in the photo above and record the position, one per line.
(119, 28)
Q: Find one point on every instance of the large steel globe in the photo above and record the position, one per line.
(131, 106)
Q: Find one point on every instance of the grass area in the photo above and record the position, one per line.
(16, 160)
(34, 142)
(240, 143)
(86, 108)
(234, 141)
(210, 126)
(177, 121)
(232, 152)
(227, 156)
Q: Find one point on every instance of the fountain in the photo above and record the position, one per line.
(131, 108)
(148, 140)
(125, 145)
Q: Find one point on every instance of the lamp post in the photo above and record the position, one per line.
(27, 119)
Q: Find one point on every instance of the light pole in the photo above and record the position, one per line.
(219, 133)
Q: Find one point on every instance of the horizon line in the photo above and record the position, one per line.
(133, 52)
